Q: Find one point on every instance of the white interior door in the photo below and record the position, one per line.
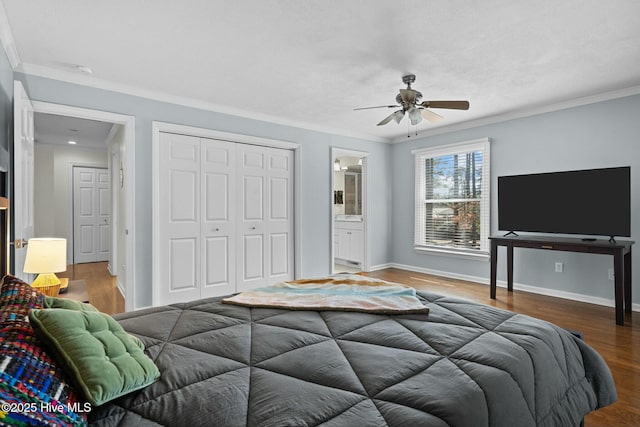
(23, 176)
(265, 228)
(91, 214)
(179, 219)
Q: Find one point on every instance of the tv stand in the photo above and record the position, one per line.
(621, 252)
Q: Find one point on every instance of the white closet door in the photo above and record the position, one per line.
(265, 238)
(90, 215)
(180, 244)
(280, 215)
(218, 167)
(225, 217)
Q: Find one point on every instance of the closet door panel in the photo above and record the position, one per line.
(253, 272)
(183, 266)
(252, 254)
(217, 163)
(280, 218)
(180, 253)
(266, 201)
(253, 200)
(279, 248)
(216, 256)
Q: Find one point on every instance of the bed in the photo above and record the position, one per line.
(462, 364)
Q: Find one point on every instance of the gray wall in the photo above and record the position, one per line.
(315, 169)
(598, 135)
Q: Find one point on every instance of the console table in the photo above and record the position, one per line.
(621, 251)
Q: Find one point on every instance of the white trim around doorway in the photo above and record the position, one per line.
(129, 182)
(158, 127)
(366, 203)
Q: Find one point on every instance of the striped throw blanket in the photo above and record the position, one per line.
(341, 292)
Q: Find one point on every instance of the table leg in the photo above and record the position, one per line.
(627, 282)
(494, 265)
(618, 267)
(510, 268)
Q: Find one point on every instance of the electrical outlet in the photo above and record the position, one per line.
(611, 275)
(559, 267)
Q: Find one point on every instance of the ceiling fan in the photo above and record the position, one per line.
(408, 101)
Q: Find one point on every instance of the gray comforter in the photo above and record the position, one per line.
(463, 364)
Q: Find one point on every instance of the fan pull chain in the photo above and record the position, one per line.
(409, 130)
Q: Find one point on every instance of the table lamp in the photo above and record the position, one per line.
(46, 256)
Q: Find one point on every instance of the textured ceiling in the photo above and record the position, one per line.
(311, 62)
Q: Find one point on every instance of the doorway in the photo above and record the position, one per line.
(349, 213)
(119, 145)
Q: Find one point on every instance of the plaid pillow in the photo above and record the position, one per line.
(16, 299)
(33, 389)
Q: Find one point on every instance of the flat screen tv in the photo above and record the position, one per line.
(589, 202)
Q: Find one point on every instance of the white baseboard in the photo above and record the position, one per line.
(380, 267)
(121, 289)
(110, 270)
(516, 286)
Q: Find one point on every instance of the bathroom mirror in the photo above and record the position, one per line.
(348, 186)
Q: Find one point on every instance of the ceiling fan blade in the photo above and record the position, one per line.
(453, 105)
(386, 120)
(398, 115)
(379, 106)
(408, 96)
(431, 116)
(415, 116)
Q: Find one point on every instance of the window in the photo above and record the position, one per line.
(452, 198)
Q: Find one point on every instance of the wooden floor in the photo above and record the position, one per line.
(101, 286)
(619, 345)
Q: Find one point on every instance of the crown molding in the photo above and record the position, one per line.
(6, 36)
(518, 114)
(84, 80)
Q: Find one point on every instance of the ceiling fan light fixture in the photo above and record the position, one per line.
(410, 102)
(415, 116)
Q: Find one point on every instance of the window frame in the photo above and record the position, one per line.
(420, 155)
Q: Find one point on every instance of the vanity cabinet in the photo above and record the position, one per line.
(349, 241)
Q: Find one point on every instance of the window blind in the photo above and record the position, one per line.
(452, 197)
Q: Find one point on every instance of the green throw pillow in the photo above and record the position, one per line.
(67, 304)
(105, 360)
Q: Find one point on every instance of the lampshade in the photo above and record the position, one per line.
(46, 255)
